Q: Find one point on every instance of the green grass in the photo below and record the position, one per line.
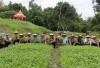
(9, 26)
(80, 57)
(25, 56)
(97, 34)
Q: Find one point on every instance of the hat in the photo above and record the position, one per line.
(88, 36)
(64, 34)
(7, 34)
(2, 33)
(93, 36)
(80, 36)
(15, 32)
(29, 33)
(72, 35)
(76, 36)
(35, 34)
(42, 35)
(51, 34)
(58, 37)
(21, 34)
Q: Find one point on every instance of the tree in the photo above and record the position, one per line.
(97, 6)
(60, 16)
(96, 20)
(1, 4)
(35, 14)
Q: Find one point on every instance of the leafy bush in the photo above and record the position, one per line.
(96, 28)
(7, 14)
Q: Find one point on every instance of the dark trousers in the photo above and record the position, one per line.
(16, 41)
(54, 44)
(1, 45)
(94, 44)
(7, 43)
(78, 44)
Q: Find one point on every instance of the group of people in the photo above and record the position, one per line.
(51, 39)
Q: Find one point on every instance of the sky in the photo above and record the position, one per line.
(84, 7)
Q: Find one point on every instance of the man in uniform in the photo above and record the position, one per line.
(72, 39)
(22, 38)
(15, 38)
(35, 39)
(7, 41)
(93, 41)
(65, 40)
(43, 38)
(87, 40)
(79, 40)
(52, 40)
(29, 38)
(1, 41)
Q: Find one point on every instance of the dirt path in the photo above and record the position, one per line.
(55, 56)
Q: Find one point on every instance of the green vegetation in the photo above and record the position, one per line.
(9, 26)
(25, 56)
(44, 56)
(7, 14)
(62, 17)
(80, 57)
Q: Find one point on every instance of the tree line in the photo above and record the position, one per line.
(63, 17)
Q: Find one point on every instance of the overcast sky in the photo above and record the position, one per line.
(83, 7)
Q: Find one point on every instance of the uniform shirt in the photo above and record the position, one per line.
(65, 40)
(42, 40)
(87, 41)
(93, 41)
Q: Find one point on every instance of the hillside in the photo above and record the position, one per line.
(9, 26)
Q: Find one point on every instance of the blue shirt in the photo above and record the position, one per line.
(65, 40)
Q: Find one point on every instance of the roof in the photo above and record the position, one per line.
(20, 15)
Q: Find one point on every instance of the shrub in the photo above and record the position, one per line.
(7, 14)
(96, 28)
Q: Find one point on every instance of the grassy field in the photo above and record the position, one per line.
(25, 56)
(80, 57)
(9, 26)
